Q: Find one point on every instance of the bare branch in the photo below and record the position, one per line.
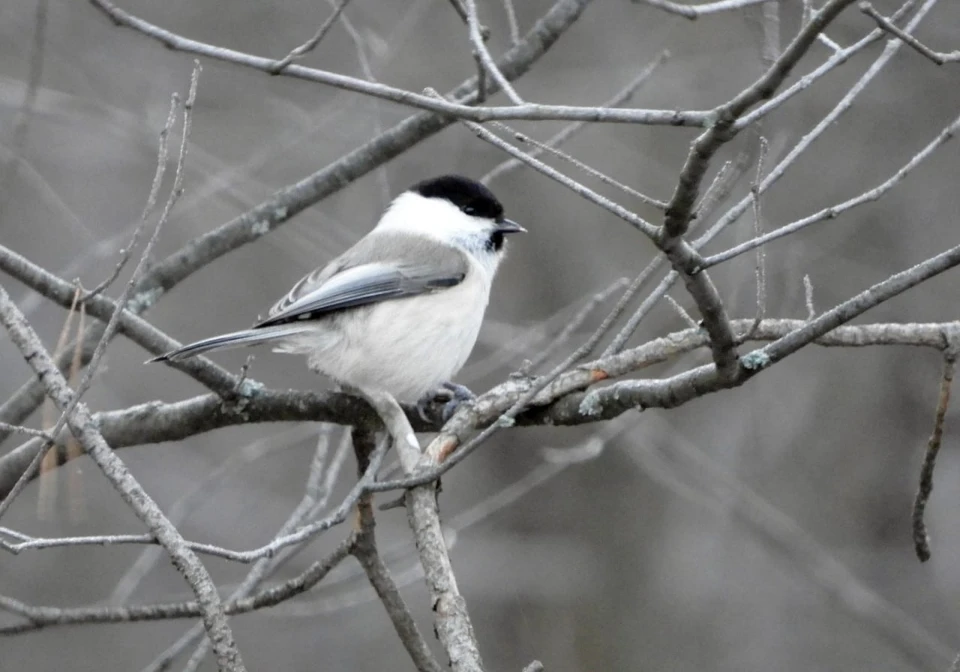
(136, 328)
(512, 21)
(807, 140)
(43, 617)
(938, 57)
(567, 132)
(311, 44)
(456, 110)
(452, 622)
(17, 429)
(633, 219)
(723, 129)
(316, 494)
(148, 207)
(684, 315)
(379, 576)
(835, 211)
(592, 172)
(81, 424)
(808, 297)
(921, 540)
(483, 54)
(696, 11)
(760, 270)
(575, 323)
(840, 56)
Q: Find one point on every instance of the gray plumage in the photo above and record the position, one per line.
(379, 267)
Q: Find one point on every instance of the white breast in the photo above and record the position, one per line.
(405, 346)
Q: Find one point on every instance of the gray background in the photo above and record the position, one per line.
(643, 558)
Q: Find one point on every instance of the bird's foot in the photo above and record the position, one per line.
(454, 394)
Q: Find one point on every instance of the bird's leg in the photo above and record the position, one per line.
(453, 393)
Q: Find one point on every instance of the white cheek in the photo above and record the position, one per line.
(434, 217)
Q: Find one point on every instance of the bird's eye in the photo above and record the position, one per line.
(469, 210)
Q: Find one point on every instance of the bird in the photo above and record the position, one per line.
(400, 311)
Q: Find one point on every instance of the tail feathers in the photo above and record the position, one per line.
(236, 339)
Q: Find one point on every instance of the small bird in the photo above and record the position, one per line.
(399, 311)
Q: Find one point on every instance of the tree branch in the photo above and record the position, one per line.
(82, 425)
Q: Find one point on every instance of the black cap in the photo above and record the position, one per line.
(469, 195)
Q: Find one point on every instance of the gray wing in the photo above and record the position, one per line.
(378, 268)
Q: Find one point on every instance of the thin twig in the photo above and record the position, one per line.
(575, 323)
(696, 11)
(311, 44)
(148, 207)
(454, 110)
(760, 271)
(835, 211)
(684, 315)
(514, 26)
(938, 57)
(808, 297)
(43, 617)
(567, 132)
(82, 426)
(17, 429)
(589, 170)
(316, 493)
(480, 48)
(921, 540)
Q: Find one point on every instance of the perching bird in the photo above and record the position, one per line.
(399, 311)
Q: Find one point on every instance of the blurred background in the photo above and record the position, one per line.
(766, 527)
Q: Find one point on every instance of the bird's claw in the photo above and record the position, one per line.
(454, 394)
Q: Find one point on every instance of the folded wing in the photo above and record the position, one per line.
(363, 285)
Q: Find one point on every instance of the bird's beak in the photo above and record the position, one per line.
(509, 226)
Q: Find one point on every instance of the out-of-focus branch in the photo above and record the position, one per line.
(921, 540)
(696, 11)
(835, 211)
(21, 124)
(720, 491)
(845, 103)
(316, 493)
(311, 44)
(722, 129)
(572, 129)
(456, 110)
(483, 54)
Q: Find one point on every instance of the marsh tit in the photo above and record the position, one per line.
(399, 311)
